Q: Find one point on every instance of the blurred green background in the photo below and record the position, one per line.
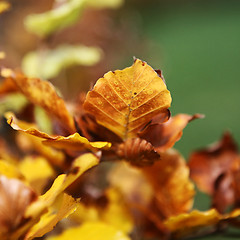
(196, 44)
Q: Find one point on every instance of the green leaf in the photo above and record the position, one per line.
(45, 23)
(47, 63)
(65, 15)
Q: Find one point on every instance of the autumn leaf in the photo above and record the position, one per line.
(43, 94)
(170, 179)
(114, 211)
(72, 142)
(49, 220)
(79, 166)
(92, 230)
(215, 170)
(137, 151)
(15, 198)
(125, 100)
(187, 224)
(164, 135)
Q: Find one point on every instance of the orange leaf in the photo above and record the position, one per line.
(173, 190)
(125, 100)
(42, 93)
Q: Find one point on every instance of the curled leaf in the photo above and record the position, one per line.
(72, 142)
(125, 100)
(80, 165)
(49, 220)
(137, 151)
(188, 223)
(164, 135)
(43, 94)
(208, 164)
(15, 197)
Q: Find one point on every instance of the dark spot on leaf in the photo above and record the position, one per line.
(75, 170)
(143, 63)
(135, 93)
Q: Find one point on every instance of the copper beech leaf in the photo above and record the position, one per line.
(72, 142)
(164, 136)
(125, 100)
(43, 94)
(206, 165)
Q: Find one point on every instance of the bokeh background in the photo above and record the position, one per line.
(195, 43)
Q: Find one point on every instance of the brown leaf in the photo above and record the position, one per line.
(15, 197)
(137, 151)
(125, 100)
(208, 164)
(164, 135)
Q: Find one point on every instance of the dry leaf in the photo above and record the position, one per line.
(208, 164)
(15, 197)
(173, 190)
(125, 100)
(49, 220)
(164, 135)
(137, 151)
(42, 93)
(80, 165)
(190, 224)
(72, 142)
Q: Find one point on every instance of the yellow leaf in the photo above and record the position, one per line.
(75, 142)
(80, 165)
(10, 170)
(49, 220)
(92, 231)
(72, 142)
(28, 142)
(37, 172)
(114, 212)
(187, 223)
(125, 100)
